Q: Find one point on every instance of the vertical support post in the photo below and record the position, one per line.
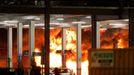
(131, 33)
(93, 21)
(31, 41)
(131, 28)
(19, 41)
(47, 42)
(78, 49)
(47, 36)
(63, 47)
(98, 35)
(94, 39)
(10, 62)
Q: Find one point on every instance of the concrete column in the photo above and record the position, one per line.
(19, 41)
(31, 41)
(78, 49)
(63, 47)
(98, 35)
(10, 62)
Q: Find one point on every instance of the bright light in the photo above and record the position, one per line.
(36, 50)
(120, 45)
(31, 17)
(60, 24)
(88, 17)
(78, 22)
(125, 19)
(26, 26)
(55, 60)
(118, 24)
(85, 26)
(60, 19)
(103, 29)
(54, 23)
(37, 58)
(2, 23)
(39, 24)
(11, 21)
(50, 28)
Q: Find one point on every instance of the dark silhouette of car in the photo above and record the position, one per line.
(62, 71)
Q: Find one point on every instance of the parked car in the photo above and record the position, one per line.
(62, 71)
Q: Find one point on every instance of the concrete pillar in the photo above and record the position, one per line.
(10, 62)
(78, 49)
(31, 41)
(19, 41)
(63, 47)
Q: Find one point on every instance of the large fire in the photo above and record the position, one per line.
(56, 44)
(107, 36)
(106, 39)
(56, 59)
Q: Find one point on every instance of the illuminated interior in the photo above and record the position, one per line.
(109, 30)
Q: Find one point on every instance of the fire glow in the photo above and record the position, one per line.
(106, 36)
(56, 44)
(56, 59)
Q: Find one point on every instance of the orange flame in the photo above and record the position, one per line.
(120, 45)
(56, 59)
(37, 58)
(56, 41)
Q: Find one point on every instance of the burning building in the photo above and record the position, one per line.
(107, 34)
